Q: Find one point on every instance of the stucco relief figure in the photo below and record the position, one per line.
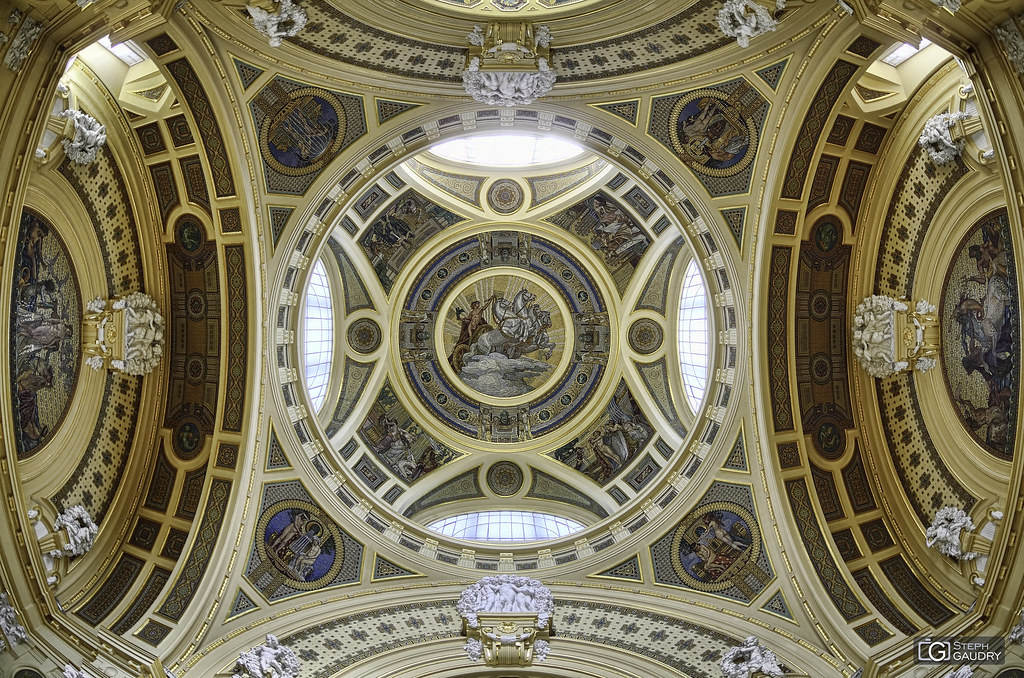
(270, 660)
(71, 672)
(745, 19)
(936, 139)
(12, 630)
(874, 341)
(79, 528)
(89, 137)
(277, 21)
(507, 88)
(945, 530)
(506, 593)
(750, 659)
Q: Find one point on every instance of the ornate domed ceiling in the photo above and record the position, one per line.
(509, 333)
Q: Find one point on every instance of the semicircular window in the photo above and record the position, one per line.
(505, 526)
(507, 150)
(693, 335)
(318, 335)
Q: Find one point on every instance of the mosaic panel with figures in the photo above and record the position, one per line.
(717, 547)
(713, 131)
(301, 129)
(400, 230)
(504, 336)
(46, 314)
(298, 547)
(981, 334)
(610, 230)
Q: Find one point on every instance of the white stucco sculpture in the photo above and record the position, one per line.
(1016, 634)
(270, 660)
(130, 335)
(508, 88)
(888, 337)
(80, 529)
(749, 659)
(89, 137)
(13, 631)
(746, 19)
(71, 672)
(936, 139)
(278, 22)
(17, 53)
(952, 5)
(506, 593)
(1012, 42)
(962, 672)
(945, 530)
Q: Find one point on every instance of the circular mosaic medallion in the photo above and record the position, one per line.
(503, 348)
(195, 368)
(300, 545)
(189, 234)
(505, 196)
(820, 305)
(303, 134)
(716, 545)
(195, 304)
(646, 336)
(827, 234)
(829, 439)
(709, 131)
(187, 440)
(504, 334)
(821, 368)
(505, 478)
(364, 335)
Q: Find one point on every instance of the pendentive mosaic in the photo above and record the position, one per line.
(298, 547)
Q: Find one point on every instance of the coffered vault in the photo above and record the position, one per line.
(625, 372)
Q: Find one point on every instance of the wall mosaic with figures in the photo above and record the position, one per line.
(46, 313)
(981, 334)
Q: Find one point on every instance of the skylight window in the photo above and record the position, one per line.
(318, 333)
(127, 51)
(507, 150)
(693, 336)
(897, 54)
(505, 526)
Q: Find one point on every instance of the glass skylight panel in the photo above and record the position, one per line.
(693, 335)
(505, 526)
(507, 150)
(897, 54)
(318, 334)
(125, 51)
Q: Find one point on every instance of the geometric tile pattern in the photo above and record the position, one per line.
(655, 377)
(278, 219)
(547, 187)
(869, 585)
(238, 338)
(873, 633)
(814, 122)
(209, 129)
(628, 570)
(547, 487)
(158, 578)
(654, 296)
(357, 297)
(828, 572)
(276, 458)
(679, 643)
(627, 110)
(113, 591)
(734, 219)
(242, 604)
(737, 459)
(387, 109)
(777, 606)
(247, 73)
(913, 591)
(778, 322)
(772, 74)
(191, 574)
(385, 569)
(858, 489)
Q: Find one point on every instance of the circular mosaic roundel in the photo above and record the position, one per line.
(299, 544)
(505, 478)
(364, 336)
(504, 336)
(187, 440)
(708, 130)
(715, 546)
(645, 336)
(505, 196)
(304, 133)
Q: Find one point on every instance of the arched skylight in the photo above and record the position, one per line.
(693, 336)
(507, 150)
(318, 333)
(505, 526)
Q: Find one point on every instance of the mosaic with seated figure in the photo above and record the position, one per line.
(504, 336)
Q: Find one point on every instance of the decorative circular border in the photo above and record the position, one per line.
(364, 335)
(645, 336)
(505, 478)
(505, 196)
